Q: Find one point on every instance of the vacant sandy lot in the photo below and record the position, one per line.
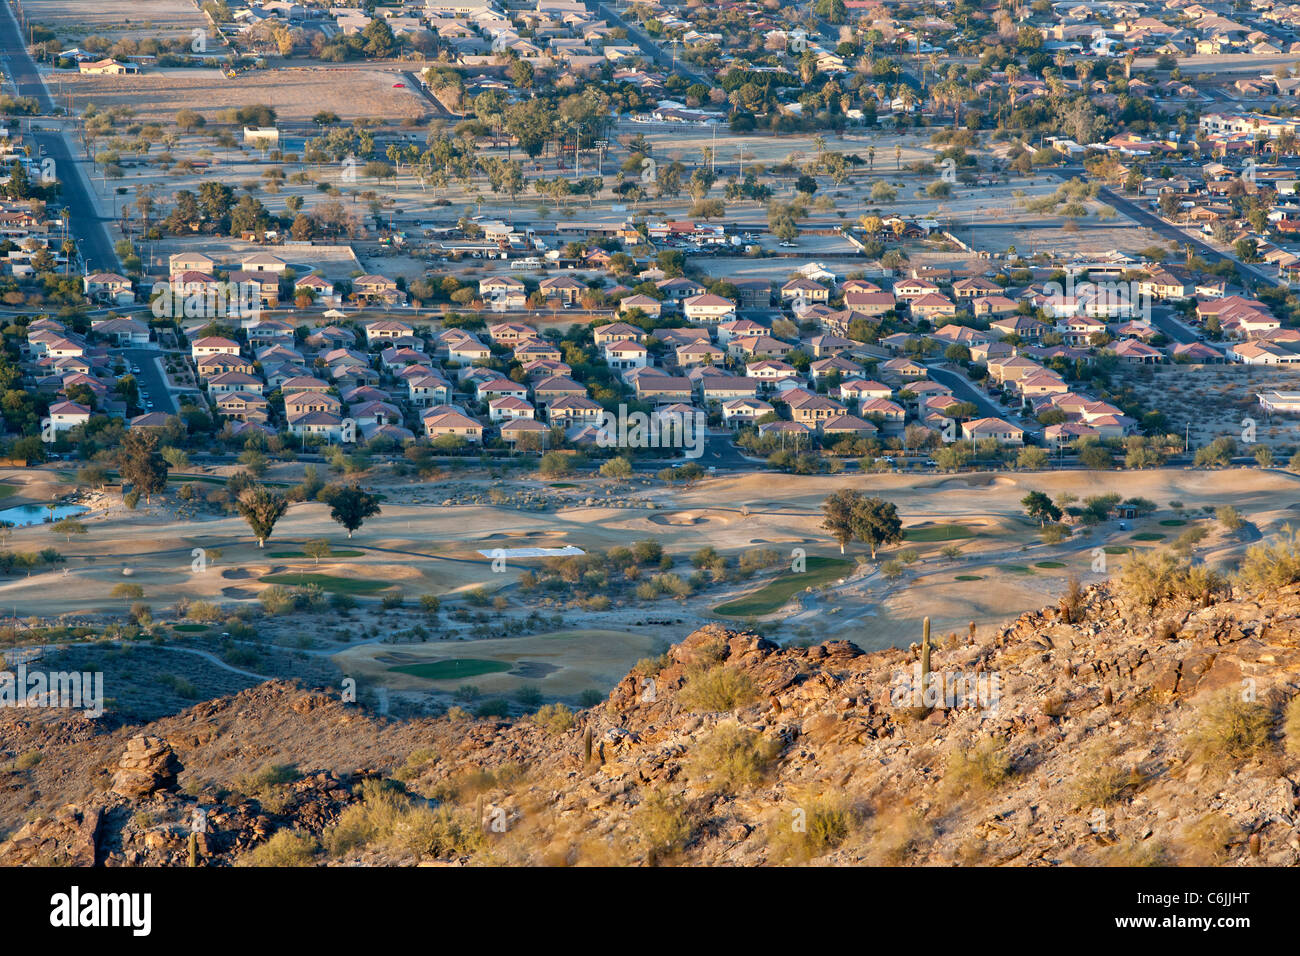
(296, 94)
(116, 18)
(1215, 399)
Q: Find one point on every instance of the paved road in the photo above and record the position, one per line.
(151, 379)
(1152, 221)
(967, 392)
(414, 83)
(87, 227)
(1162, 317)
(643, 40)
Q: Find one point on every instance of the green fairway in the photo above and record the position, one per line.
(1049, 564)
(328, 582)
(452, 669)
(1116, 549)
(776, 592)
(7, 491)
(938, 532)
(1173, 522)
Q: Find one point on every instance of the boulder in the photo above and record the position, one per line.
(147, 766)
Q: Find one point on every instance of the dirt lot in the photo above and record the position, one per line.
(116, 18)
(1214, 399)
(296, 94)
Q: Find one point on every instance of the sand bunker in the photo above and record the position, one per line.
(688, 518)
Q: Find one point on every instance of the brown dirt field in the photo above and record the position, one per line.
(296, 94)
(1214, 399)
(116, 18)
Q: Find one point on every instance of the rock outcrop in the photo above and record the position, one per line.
(1058, 740)
(147, 766)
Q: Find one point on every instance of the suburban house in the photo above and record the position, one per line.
(1001, 431)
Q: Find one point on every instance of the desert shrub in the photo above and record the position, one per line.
(1189, 539)
(437, 832)
(1272, 564)
(1101, 782)
(758, 558)
(649, 666)
(1053, 533)
(469, 784)
(125, 590)
(387, 816)
(733, 756)
(663, 823)
(528, 695)
(899, 836)
(1291, 726)
(277, 599)
(717, 688)
(179, 686)
(26, 761)
(285, 848)
(1230, 518)
(979, 770)
(1139, 853)
(204, 611)
(1228, 729)
(814, 827)
(493, 708)
(1205, 842)
(1149, 579)
(554, 718)
(269, 785)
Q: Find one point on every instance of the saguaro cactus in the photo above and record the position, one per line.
(925, 653)
(586, 744)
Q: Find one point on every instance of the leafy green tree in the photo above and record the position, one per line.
(1038, 505)
(350, 507)
(261, 508)
(141, 465)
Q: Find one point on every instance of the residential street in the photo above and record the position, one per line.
(88, 229)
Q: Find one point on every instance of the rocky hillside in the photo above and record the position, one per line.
(1098, 735)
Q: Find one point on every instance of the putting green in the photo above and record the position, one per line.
(453, 669)
(938, 532)
(775, 593)
(327, 582)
